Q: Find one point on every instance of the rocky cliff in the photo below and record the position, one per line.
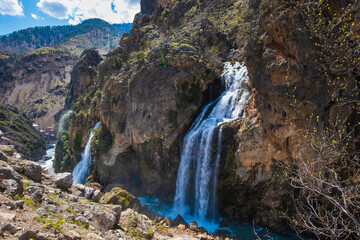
(20, 135)
(37, 83)
(149, 89)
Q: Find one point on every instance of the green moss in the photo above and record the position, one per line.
(119, 196)
(143, 165)
(153, 142)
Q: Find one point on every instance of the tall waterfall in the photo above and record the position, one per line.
(197, 174)
(82, 169)
(63, 121)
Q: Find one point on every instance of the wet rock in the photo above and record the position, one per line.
(178, 220)
(3, 156)
(224, 223)
(203, 230)
(88, 192)
(193, 225)
(12, 187)
(1, 134)
(7, 149)
(222, 232)
(97, 196)
(63, 180)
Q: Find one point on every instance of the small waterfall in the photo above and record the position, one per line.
(199, 162)
(82, 169)
(63, 121)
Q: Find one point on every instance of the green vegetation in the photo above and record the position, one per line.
(68, 36)
(121, 197)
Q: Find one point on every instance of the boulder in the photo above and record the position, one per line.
(181, 227)
(97, 196)
(63, 180)
(12, 188)
(41, 211)
(33, 171)
(136, 225)
(119, 196)
(6, 172)
(3, 156)
(104, 219)
(88, 192)
(178, 220)
(10, 227)
(193, 225)
(7, 149)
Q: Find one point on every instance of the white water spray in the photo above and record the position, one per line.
(63, 121)
(199, 164)
(82, 169)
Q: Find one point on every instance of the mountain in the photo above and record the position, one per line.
(304, 102)
(91, 33)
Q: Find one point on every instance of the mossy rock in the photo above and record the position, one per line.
(119, 196)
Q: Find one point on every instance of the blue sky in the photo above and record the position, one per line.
(20, 14)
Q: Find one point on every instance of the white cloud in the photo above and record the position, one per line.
(113, 11)
(34, 16)
(11, 7)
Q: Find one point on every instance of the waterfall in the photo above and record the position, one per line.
(82, 169)
(201, 151)
(63, 121)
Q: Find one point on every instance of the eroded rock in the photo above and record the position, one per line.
(63, 180)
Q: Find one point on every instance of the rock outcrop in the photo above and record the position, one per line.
(20, 135)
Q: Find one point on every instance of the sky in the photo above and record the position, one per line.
(20, 14)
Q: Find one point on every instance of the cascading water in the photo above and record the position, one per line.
(63, 121)
(199, 201)
(82, 169)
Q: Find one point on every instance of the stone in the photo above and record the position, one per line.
(12, 187)
(3, 156)
(88, 192)
(8, 216)
(79, 186)
(193, 225)
(33, 170)
(181, 227)
(103, 219)
(178, 220)
(41, 211)
(1, 134)
(6, 172)
(131, 219)
(20, 204)
(202, 230)
(72, 235)
(168, 222)
(10, 227)
(96, 196)
(52, 208)
(63, 180)
(119, 196)
(4, 141)
(7, 149)
(81, 219)
(9, 204)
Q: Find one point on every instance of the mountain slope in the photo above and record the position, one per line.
(91, 33)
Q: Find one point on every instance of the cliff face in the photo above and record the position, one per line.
(36, 83)
(21, 134)
(168, 67)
